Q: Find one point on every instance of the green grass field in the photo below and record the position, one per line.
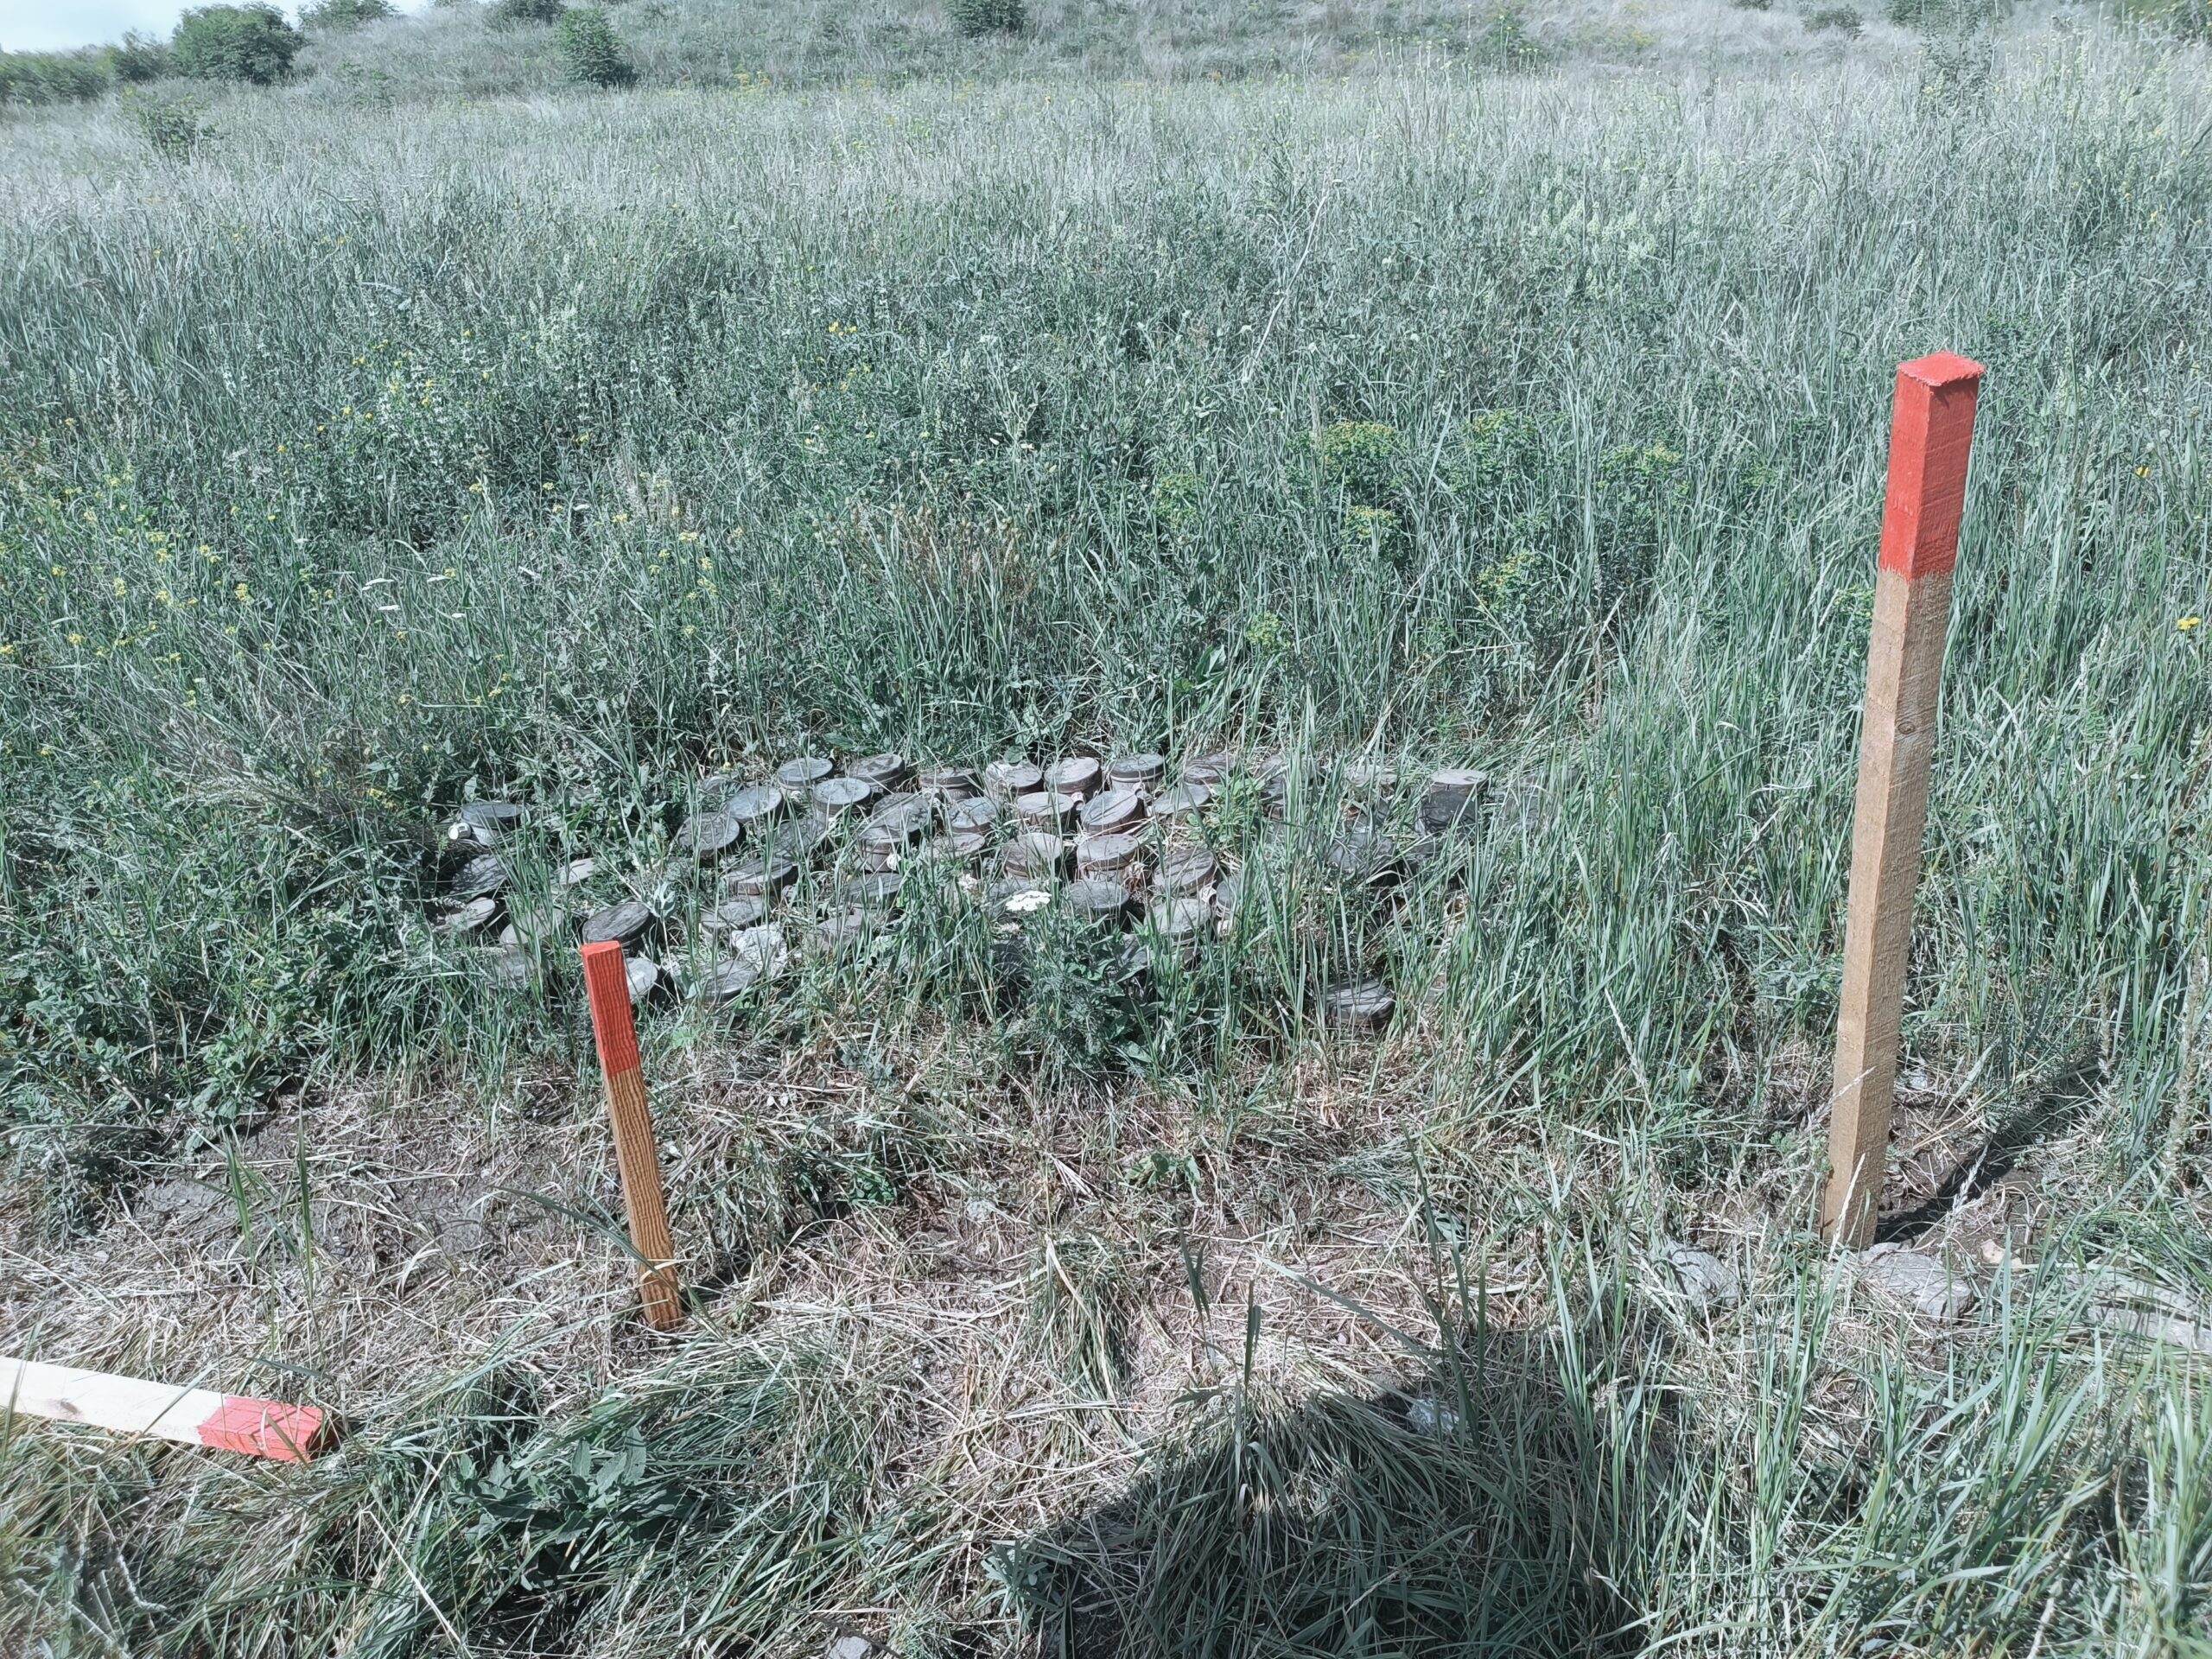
(1319, 386)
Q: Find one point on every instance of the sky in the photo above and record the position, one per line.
(55, 25)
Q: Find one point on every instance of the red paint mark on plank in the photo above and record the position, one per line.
(1931, 432)
(608, 985)
(264, 1428)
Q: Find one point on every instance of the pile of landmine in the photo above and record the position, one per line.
(1116, 842)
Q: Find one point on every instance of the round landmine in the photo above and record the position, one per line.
(887, 771)
(879, 892)
(576, 872)
(472, 918)
(1227, 894)
(708, 835)
(835, 796)
(796, 778)
(969, 824)
(1007, 780)
(1209, 769)
(1418, 852)
(845, 930)
(1453, 797)
(1117, 808)
(1078, 775)
(1369, 780)
(486, 821)
(716, 786)
(793, 837)
(1183, 801)
(642, 974)
(1136, 770)
(950, 783)
(506, 966)
(1179, 920)
(748, 958)
(760, 874)
(1110, 855)
(1357, 1005)
(978, 815)
(1187, 872)
(1033, 855)
(1017, 899)
(1365, 853)
(1046, 810)
(754, 807)
(1098, 899)
(624, 923)
(484, 875)
(735, 913)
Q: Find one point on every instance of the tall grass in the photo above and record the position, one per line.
(561, 451)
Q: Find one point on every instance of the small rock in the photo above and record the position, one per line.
(1708, 1282)
(849, 1646)
(1360, 1005)
(1428, 1417)
(1931, 1289)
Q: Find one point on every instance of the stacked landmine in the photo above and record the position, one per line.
(814, 858)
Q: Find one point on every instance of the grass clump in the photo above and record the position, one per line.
(980, 17)
(591, 53)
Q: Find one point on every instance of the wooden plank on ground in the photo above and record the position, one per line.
(125, 1405)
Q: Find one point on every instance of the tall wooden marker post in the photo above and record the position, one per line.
(1931, 431)
(606, 982)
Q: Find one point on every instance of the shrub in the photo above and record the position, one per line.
(50, 77)
(592, 50)
(140, 59)
(1843, 19)
(527, 11)
(333, 16)
(251, 43)
(171, 127)
(974, 17)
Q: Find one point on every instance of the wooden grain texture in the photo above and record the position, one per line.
(1930, 435)
(125, 1405)
(636, 1155)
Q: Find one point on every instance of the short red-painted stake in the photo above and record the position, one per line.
(125, 1405)
(636, 1154)
(1931, 431)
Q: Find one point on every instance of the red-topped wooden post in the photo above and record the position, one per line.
(1931, 431)
(635, 1154)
